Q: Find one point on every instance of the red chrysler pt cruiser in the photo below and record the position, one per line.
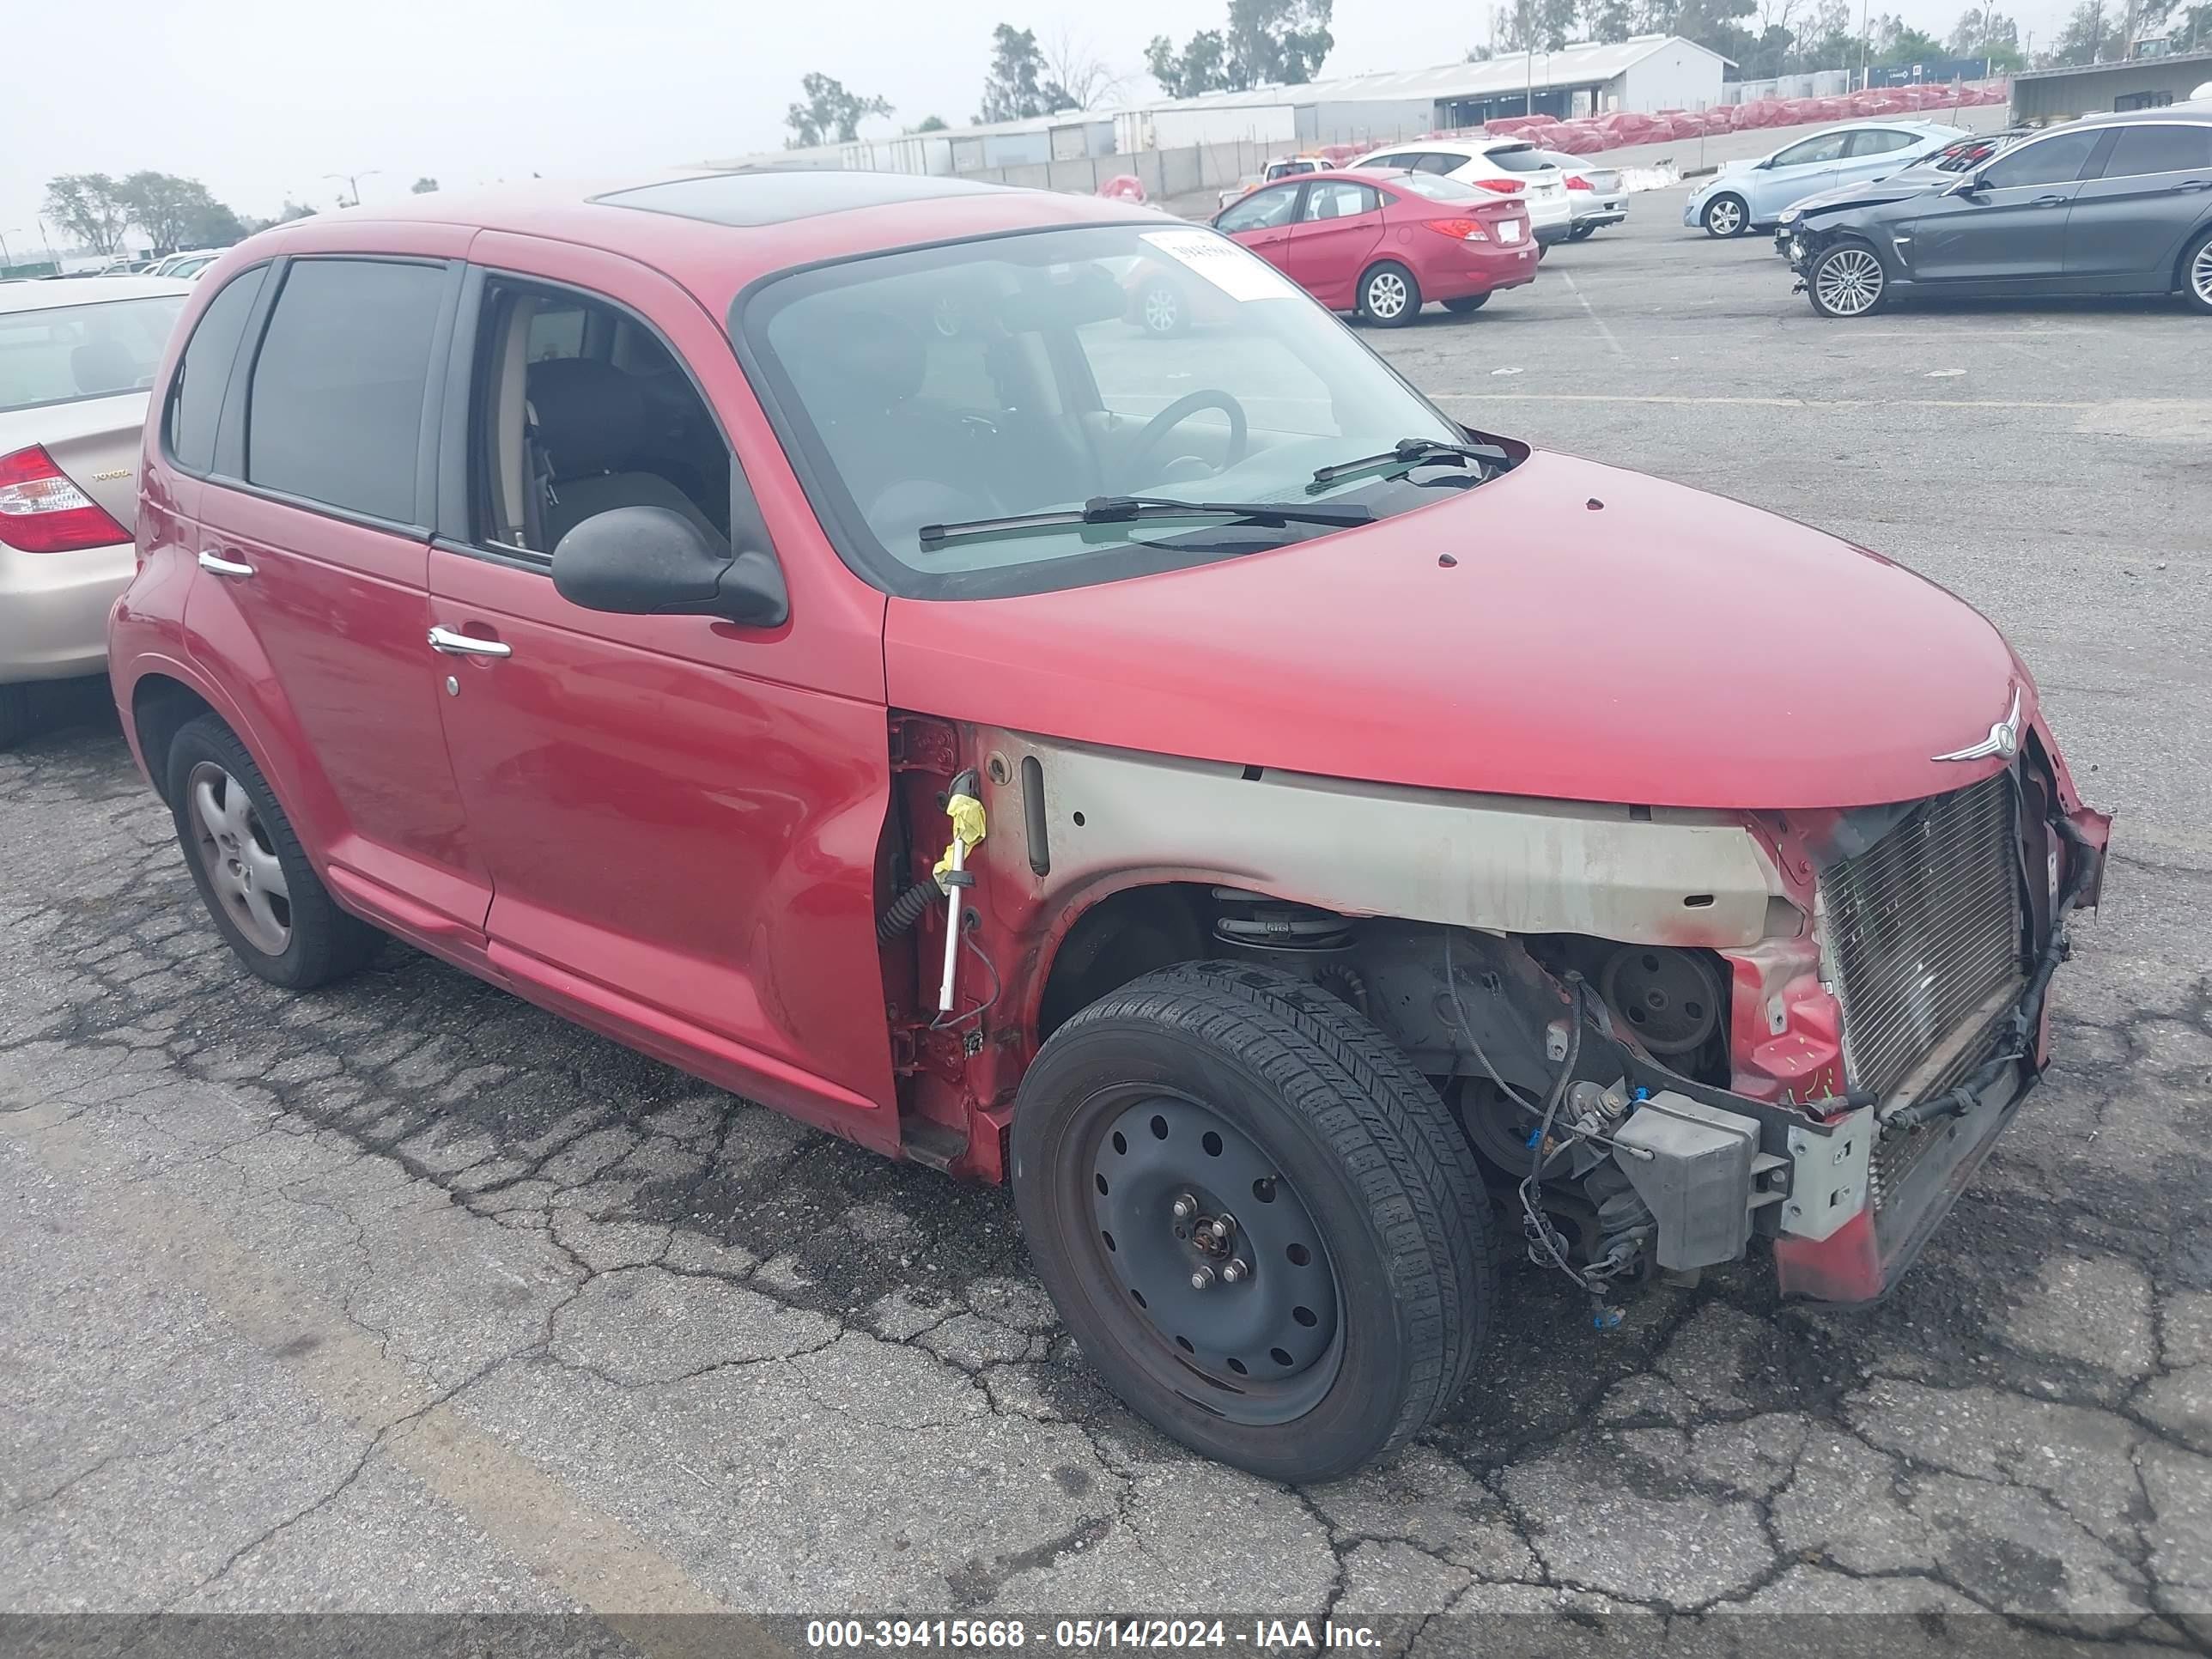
(802, 627)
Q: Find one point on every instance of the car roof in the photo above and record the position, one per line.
(87, 291)
(2190, 112)
(1467, 147)
(715, 231)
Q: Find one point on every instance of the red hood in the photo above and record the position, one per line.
(1670, 649)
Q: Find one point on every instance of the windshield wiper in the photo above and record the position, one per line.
(1412, 451)
(1134, 509)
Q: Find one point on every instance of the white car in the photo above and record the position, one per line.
(1283, 167)
(187, 263)
(1504, 166)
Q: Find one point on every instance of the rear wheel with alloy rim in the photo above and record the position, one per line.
(1258, 1220)
(1847, 281)
(251, 871)
(1389, 296)
(2197, 272)
(1726, 215)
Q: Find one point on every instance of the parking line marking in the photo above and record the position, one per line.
(592, 1557)
(1568, 276)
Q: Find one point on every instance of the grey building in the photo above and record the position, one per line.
(2060, 95)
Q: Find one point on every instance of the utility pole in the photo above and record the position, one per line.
(352, 182)
(1866, 38)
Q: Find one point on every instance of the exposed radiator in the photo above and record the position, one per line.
(1922, 928)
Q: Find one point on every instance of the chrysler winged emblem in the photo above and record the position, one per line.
(2003, 738)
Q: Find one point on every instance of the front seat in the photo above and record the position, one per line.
(589, 420)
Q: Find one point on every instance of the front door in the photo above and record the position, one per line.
(2128, 225)
(2006, 223)
(1336, 230)
(313, 543)
(681, 816)
(1806, 167)
(1262, 222)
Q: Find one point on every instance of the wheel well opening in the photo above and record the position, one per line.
(160, 708)
(1124, 936)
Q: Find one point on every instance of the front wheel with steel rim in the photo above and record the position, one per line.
(2197, 273)
(1260, 1225)
(1726, 216)
(1847, 281)
(250, 868)
(1389, 296)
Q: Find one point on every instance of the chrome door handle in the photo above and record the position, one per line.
(2193, 183)
(464, 645)
(220, 567)
(2051, 201)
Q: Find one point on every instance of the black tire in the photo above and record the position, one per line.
(2196, 271)
(18, 714)
(1582, 233)
(1388, 295)
(1363, 1151)
(1162, 308)
(323, 942)
(1467, 303)
(1846, 281)
(1728, 221)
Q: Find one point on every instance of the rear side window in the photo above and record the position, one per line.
(2054, 161)
(1873, 141)
(203, 372)
(334, 414)
(1521, 158)
(2160, 150)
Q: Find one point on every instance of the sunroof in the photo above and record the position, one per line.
(773, 195)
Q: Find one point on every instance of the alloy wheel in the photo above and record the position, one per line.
(1724, 217)
(242, 867)
(1223, 1274)
(2200, 274)
(1849, 282)
(1386, 295)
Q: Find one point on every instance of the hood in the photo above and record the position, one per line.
(1898, 187)
(1665, 649)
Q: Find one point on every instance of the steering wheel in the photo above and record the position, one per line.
(1156, 429)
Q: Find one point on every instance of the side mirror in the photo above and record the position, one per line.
(651, 562)
(1971, 184)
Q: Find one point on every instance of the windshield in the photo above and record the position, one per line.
(64, 354)
(1023, 374)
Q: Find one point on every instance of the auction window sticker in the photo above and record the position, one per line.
(1240, 276)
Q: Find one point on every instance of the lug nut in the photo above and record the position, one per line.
(1232, 1271)
(1184, 1209)
(1222, 1226)
(1200, 1278)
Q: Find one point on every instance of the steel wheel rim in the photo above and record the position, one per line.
(1386, 294)
(239, 859)
(2200, 273)
(1160, 310)
(1258, 1346)
(1850, 282)
(1726, 217)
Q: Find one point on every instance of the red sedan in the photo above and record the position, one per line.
(1383, 242)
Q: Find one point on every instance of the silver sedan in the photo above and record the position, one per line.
(75, 361)
(1594, 196)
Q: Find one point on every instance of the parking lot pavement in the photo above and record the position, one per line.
(406, 1295)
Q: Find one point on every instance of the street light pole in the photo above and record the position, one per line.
(1866, 38)
(352, 182)
(7, 260)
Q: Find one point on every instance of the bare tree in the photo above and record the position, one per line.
(1079, 74)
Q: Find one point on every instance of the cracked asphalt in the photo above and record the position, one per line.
(405, 1296)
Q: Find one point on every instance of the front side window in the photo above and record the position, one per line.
(1827, 147)
(2054, 161)
(2160, 150)
(334, 412)
(1065, 397)
(66, 354)
(204, 371)
(1264, 210)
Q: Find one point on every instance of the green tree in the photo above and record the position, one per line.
(829, 114)
(928, 123)
(1829, 39)
(89, 207)
(1609, 20)
(2089, 36)
(1533, 25)
(1016, 88)
(177, 212)
(426, 185)
(1201, 66)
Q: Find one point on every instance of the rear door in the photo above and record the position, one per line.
(2006, 223)
(2128, 225)
(309, 596)
(1336, 232)
(1872, 153)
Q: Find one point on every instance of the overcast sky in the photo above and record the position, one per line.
(260, 98)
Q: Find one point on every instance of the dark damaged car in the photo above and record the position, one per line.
(1943, 168)
(2113, 205)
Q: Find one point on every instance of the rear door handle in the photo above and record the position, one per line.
(2192, 184)
(222, 566)
(467, 645)
(2051, 201)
